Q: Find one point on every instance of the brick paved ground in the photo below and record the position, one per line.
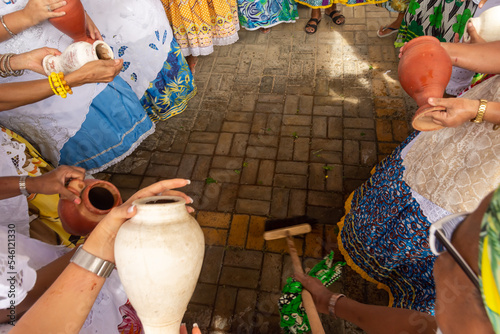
(286, 124)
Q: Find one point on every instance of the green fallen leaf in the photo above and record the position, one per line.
(295, 135)
(327, 167)
(210, 180)
(245, 164)
(237, 171)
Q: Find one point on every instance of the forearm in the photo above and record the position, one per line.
(384, 320)
(478, 57)
(44, 278)
(492, 113)
(65, 305)
(16, 22)
(17, 94)
(10, 187)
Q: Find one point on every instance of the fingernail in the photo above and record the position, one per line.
(188, 181)
(77, 200)
(190, 209)
(131, 209)
(192, 200)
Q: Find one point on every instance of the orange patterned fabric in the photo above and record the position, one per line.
(198, 25)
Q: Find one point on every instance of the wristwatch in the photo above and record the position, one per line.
(92, 263)
(480, 112)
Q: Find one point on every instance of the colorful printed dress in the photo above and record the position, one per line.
(329, 3)
(384, 234)
(438, 18)
(397, 6)
(198, 25)
(255, 14)
(101, 124)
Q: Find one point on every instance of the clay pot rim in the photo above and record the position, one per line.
(143, 202)
(421, 121)
(101, 184)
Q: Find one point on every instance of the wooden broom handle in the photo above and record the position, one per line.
(307, 299)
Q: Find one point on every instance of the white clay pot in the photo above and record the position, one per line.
(75, 56)
(158, 254)
(487, 25)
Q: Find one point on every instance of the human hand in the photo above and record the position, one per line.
(32, 60)
(54, 182)
(102, 239)
(401, 50)
(92, 29)
(458, 111)
(321, 295)
(95, 71)
(480, 4)
(472, 35)
(37, 11)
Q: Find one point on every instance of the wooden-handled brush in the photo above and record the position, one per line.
(286, 228)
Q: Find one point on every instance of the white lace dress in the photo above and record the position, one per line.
(130, 27)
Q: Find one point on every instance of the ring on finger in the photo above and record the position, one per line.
(48, 8)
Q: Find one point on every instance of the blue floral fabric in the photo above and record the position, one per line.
(328, 3)
(385, 235)
(174, 86)
(255, 14)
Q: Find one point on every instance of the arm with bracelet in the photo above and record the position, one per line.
(478, 57)
(83, 278)
(35, 12)
(460, 110)
(50, 183)
(17, 94)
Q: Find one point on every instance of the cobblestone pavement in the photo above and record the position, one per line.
(283, 124)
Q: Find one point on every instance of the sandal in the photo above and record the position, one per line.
(386, 31)
(314, 26)
(335, 18)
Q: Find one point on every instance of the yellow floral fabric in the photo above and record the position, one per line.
(198, 25)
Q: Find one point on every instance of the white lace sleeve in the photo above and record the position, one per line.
(20, 258)
(17, 277)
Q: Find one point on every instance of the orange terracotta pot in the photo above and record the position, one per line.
(98, 198)
(73, 23)
(424, 71)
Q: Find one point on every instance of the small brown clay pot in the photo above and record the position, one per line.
(98, 198)
(73, 23)
(424, 71)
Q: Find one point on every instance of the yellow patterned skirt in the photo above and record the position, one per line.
(198, 25)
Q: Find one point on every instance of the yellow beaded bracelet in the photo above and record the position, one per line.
(59, 85)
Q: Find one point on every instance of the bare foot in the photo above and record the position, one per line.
(265, 30)
(192, 60)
